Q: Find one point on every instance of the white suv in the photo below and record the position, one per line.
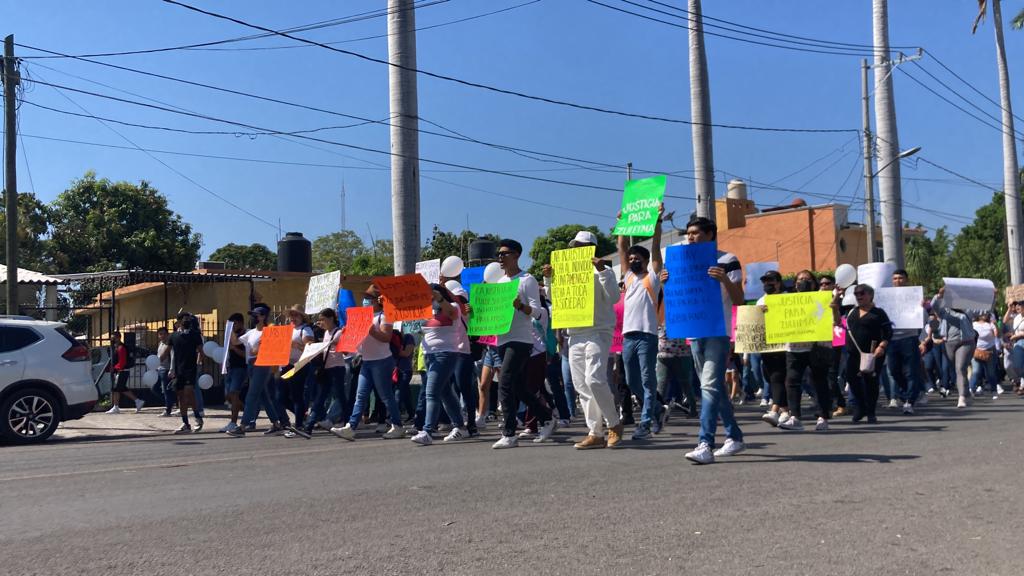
(45, 379)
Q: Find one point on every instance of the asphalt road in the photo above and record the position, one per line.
(935, 493)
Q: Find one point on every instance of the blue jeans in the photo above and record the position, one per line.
(557, 386)
(163, 388)
(439, 390)
(1017, 357)
(903, 366)
(987, 368)
(404, 393)
(640, 358)
(375, 374)
(258, 396)
(331, 384)
(570, 391)
(753, 378)
(340, 407)
(466, 386)
(710, 356)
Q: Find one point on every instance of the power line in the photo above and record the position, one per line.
(968, 84)
(999, 127)
(505, 91)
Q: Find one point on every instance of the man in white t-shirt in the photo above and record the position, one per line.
(711, 354)
(640, 327)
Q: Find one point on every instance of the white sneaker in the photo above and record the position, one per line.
(702, 455)
(176, 413)
(563, 423)
(230, 427)
(289, 434)
(184, 429)
(139, 403)
(527, 434)
(394, 432)
(922, 400)
(908, 408)
(423, 438)
(481, 422)
(962, 402)
(1000, 389)
(546, 431)
(771, 418)
(758, 392)
(730, 448)
(113, 410)
(792, 423)
(894, 403)
(822, 425)
(457, 434)
(931, 390)
(344, 432)
(506, 442)
(764, 403)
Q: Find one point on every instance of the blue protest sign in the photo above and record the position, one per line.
(693, 300)
(472, 276)
(345, 301)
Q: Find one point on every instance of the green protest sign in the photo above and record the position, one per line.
(492, 309)
(640, 202)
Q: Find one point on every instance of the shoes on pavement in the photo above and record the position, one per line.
(771, 418)
(701, 455)
(894, 403)
(545, 432)
(184, 429)
(564, 423)
(506, 442)
(290, 434)
(199, 425)
(730, 448)
(381, 428)
(139, 403)
(908, 408)
(456, 434)
(641, 433)
(1000, 389)
(473, 431)
(423, 438)
(615, 435)
(166, 414)
(792, 423)
(250, 428)
(394, 432)
(872, 419)
(590, 442)
(274, 430)
(236, 433)
(345, 432)
(822, 425)
(527, 434)
(229, 427)
(481, 422)
(659, 423)
(113, 410)
(763, 403)
(176, 413)
(961, 402)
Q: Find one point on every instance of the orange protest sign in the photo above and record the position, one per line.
(275, 346)
(356, 328)
(406, 297)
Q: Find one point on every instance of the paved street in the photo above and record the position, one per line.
(929, 494)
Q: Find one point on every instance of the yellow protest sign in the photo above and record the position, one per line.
(800, 317)
(572, 288)
(750, 332)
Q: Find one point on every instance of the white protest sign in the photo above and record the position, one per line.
(311, 351)
(227, 342)
(876, 274)
(430, 270)
(323, 292)
(752, 287)
(902, 305)
(969, 293)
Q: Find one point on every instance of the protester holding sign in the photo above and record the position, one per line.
(465, 367)
(868, 333)
(1014, 320)
(903, 356)
(836, 376)
(258, 396)
(773, 360)
(960, 341)
(293, 391)
(588, 352)
(641, 207)
(711, 353)
(328, 373)
(234, 381)
(816, 356)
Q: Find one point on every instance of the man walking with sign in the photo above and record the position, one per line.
(710, 354)
(589, 350)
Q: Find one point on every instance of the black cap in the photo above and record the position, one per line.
(771, 275)
(261, 309)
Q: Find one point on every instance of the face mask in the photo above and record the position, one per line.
(804, 286)
(636, 267)
(769, 289)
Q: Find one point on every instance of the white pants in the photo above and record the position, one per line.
(588, 358)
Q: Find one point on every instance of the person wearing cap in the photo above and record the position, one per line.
(773, 364)
(293, 391)
(589, 350)
(465, 367)
(258, 395)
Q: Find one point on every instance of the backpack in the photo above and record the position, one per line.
(659, 300)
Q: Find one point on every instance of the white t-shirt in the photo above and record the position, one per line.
(251, 341)
(372, 349)
(298, 333)
(986, 335)
(640, 313)
(735, 273)
(522, 325)
(334, 358)
(443, 334)
(1018, 324)
(540, 345)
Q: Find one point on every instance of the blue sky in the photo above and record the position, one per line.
(566, 49)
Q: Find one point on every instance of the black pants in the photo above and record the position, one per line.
(513, 388)
(773, 364)
(818, 359)
(834, 382)
(864, 388)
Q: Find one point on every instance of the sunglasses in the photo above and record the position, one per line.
(860, 293)
(504, 254)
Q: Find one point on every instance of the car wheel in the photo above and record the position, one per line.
(28, 416)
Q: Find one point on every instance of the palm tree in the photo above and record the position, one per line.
(700, 115)
(1011, 174)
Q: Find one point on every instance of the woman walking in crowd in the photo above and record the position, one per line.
(773, 364)
(984, 359)
(328, 372)
(960, 341)
(259, 395)
(816, 356)
(867, 336)
(443, 340)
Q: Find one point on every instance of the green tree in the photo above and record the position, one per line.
(33, 226)
(99, 224)
(337, 251)
(241, 257)
(380, 261)
(558, 239)
(928, 259)
(980, 248)
(443, 244)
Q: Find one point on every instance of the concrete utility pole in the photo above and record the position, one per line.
(405, 171)
(888, 139)
(1011, 175)
(869, 180)
(11, 80)
(700, 115)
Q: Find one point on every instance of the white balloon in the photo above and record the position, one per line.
(452, 267)
(846, 275)
(151, 377)
(152, 362)
(493, 273)
(218, 354)
(210, 348)
(206, 381)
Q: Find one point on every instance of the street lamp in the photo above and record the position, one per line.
(869, 200)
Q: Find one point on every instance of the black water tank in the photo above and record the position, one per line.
(294, 253)
(482, 250)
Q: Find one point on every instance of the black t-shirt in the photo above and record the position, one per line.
(184, 345)
(874, 326)
(236, 359)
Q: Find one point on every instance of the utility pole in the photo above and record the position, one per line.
(869, 181)
(405, 172)
(1011, 175)
(888, 139)
(700, 115)
(11, 80)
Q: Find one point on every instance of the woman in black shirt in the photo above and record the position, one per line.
(868, 331)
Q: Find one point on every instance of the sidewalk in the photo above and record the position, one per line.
(128, 424)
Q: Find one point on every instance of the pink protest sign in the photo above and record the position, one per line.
(620, 309)
(488, 340)
(732, 329)
(839, 335)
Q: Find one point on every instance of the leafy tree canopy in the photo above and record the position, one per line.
(337, 251)
(241, 257)
(443, 244)
(558, 239)
(33, 226)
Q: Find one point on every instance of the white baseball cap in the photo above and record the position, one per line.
(455, 288)
(583, 237)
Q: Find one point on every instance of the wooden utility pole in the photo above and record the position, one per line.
(11, 166)
(869, 178)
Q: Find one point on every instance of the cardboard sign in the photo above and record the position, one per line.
(752, 287)
(620, 312)
(406, 297)
(1015, 293)
(750, 332)
(275, 346)
(227, 342)
(572, 288)
(470, 276)
(800, 317)
(311, 351)
(640, 202)
(322, 292)
(902, 305)
(969, 293)
(874, 274)
(693, 300)
(430, 270)
(358, 326)
(492, 308)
